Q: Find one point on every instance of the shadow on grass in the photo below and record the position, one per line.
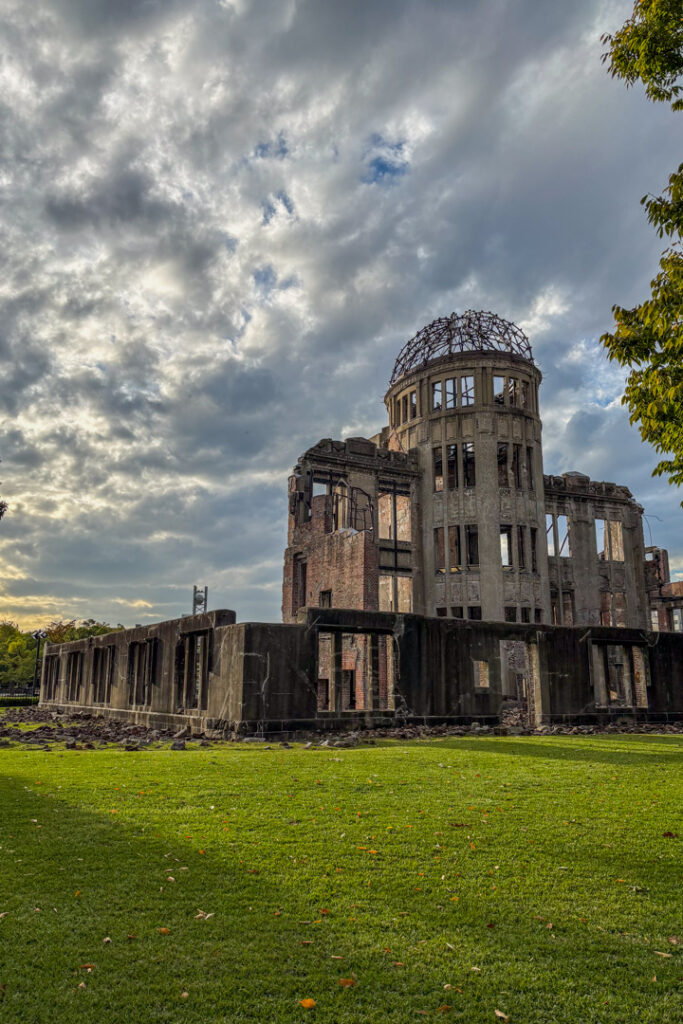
(96, 875)
(577, 748)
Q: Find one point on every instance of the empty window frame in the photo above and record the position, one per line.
(467, 390)
(454, 551)
(563, 537)
(299, 583)
(468, 469)
(442, 612)
(512, 391)
(550, 532)
(456, 611)
(437, 462)
(538, 615)
(103, 659)
(506, 546)
(452, 466)
(525, 614)
(413, 405)
(193, 657)
(51, 676)
(325, 599)
(609, 538)
(654, 620)
(481, 675)
(568, 608)
(386, 593)
(640, 676)
(530, 468)
(74, 675)
(677, 620)
(474, 612)
(439, 552)
(510, 613)
(436, 396)
(524, 394)
(404, 409)
(451, 393)
(517, 465)
(521, 555)
(143, 663)
(499, 390)
(503, 479)
(472, 546)
(393, 516)
(619, 609)
(533, 533)
(404, 594)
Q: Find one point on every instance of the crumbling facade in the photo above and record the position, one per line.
(459, 520)
(433, 573)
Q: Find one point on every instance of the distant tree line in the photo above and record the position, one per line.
(18, 648)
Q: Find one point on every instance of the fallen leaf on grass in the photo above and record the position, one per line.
(500, 1015)
(4, 913)
(347, 982)
(444, 1008)
(398, 963)
(670, 835)
(308, 1004)
(106, 941)
(164, 931)
(131, 937)
(306, 942)
(201, 915)
(673, 939)
(184, 995)
(666, 955)
(81, 984)
(86, 967)
(332, 957)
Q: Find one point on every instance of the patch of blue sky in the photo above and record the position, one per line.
(265, 278)
(384, 161)
(270, 206)
(276, 149)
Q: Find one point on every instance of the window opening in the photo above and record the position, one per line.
(74, 674)
(474, 612)
(451, 397)
(467, 390)
(103, 673)
(456, 612)
(454, 556)
(472, 544)
(499, 390)
(441, 612)
(517, 465)
(530, 468)
(413, 405)
(436, 396)
(532, 544)
(481, 675)
(325, 599)
(550, 532)
(526, 614)
(439, 557)
(538, 615)
(468, 472)
(524, 394)
(512, 391)
(404, 409)
(506, 546)
(521, 560)
(568, 608)
(503, 480)
(299, 583)
(563, 537)
(511, 613)
(437, 458)
(452, 465)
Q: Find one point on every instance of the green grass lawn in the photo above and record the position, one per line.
(447, 879)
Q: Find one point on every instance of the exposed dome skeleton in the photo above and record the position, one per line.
(471, 331)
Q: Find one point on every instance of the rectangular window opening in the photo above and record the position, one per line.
(437, 459)
(506, 546)
(481, 675)
(521, 559)
(454, 554)
(439, 553)
(550, 532)
(467, 390)
(517, 465)
(413, 405)
(451, 397)
(452, 465)
(563, 537)
(436, 396)
(468, 470)
(474, 612)
(503, 480)
(472, 545)
(499, 390)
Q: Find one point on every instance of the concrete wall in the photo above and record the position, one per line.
(264, 676)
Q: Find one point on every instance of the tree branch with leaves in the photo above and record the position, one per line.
(648, 339)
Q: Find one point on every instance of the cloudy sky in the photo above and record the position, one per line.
(222, 218)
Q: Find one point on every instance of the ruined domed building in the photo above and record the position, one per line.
(433, 573)
(447, 512)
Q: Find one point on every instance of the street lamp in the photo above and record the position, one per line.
(38, 635)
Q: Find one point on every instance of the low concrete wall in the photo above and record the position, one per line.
(209, 673)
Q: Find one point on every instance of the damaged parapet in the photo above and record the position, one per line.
(350, 537)
(338, 669)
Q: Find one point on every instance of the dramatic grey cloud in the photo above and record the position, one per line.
(221, 220)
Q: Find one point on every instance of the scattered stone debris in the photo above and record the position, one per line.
(82, 731)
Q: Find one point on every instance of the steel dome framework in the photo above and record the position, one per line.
(471, 331)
